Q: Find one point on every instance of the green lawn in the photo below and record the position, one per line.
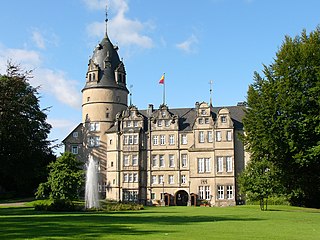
(241, 222)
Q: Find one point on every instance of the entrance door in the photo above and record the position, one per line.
(181, 198)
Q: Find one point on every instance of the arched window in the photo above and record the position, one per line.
(93, 77)
(89, 77)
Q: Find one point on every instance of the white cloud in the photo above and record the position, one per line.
(95, 4)
(62, 124)
(124, 31)
(52, 82)
(189, 45)
(56, 84)
(38, 39)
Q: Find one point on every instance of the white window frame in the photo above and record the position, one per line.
(171, 139)
(184, 160)
(167, 123)
(229, 192)
(159, 123)
(201, 136)
(155, 140)
(125, 177)
(207, 192)
(220, 191)
(210, 136)
(135, 177)
(161, 161)
(184, 139)
(154, 160)
(201, 192)
(75, 134)
(183, 179)
(200, 165)
(135, 160)
(135, 139)
(219, 164)
(162, 140)
(126, 161)
(218, 136)
(94, 126)
(207, 164)
(75, 149)
(229, 136)
(171, 160)
(160, 177)
(171, 179)
(229, 165)
(153, 179)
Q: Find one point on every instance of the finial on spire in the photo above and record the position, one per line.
(106, 19)
(211, 82)
(131, 86)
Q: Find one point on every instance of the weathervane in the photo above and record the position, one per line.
(211, 83)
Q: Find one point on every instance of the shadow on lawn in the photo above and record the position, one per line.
(22, 223)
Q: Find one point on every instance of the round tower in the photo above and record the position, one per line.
(105, 93)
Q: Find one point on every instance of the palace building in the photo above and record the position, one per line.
(183, 156)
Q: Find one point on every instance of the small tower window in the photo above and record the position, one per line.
(93, 77)
(89, 77)
(107, 115)
(88, 99)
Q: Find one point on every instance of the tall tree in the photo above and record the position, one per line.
(282, 123)
(24, 149)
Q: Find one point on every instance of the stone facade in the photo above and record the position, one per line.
(183, 156)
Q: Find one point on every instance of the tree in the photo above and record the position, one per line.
(24, 149)
(282, 122)
(66, 178)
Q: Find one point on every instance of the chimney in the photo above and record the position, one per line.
(150, 110)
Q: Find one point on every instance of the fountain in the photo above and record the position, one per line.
(91, 193)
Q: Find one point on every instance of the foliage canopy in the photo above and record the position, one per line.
(282, 122)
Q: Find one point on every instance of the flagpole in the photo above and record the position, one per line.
(164, 90)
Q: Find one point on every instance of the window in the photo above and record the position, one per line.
(154, 160)
(74, 149)
(75, 134)
(220, 164)
(220, 192)
(223, 119)
(201, 137)
(204, 165)
(131, 196)
(209, 134)
(167, 123)
(135, 139)
(153, 196)
(184, 160)
(125, 140)
(229, 164)
(183, 179)
(161, 160)
(125, 177)
(171, 139)
(153, 179)
(159, 123)
(94, 126)
(229, 136)
(155, 140)
(135, 123)
(200, 120)
(171, 160)
(111, 164)
(134, 160)
(207, 164)
(160, 179)
(107, 115)
(229, 192)
(162, 139)
(171, 179)
(201, 192)
(200, 165)
(184, 139)
(128, 123)
(130, 139)
(206, 120)
(203, 112)
(218, 136)
(126, 160)
(88, 99)
(135, 177)
(207, 192)
(130, 177)
(94, 141)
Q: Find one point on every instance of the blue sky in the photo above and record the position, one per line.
(193, 42)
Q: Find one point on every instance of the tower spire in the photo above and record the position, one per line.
(106, 20)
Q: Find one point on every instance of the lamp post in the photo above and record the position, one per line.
(163, 193)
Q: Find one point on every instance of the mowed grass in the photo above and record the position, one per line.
(241, 222)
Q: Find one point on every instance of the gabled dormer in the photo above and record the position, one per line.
(163, 119)
(132, 118)
(93, 71)
(224, 119)
(203, 116)
(120, 74)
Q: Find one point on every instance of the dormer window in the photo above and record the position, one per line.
(90, 78)
(206, 120)
(223, 119)
(167, 123)
(203, 112)
(163, 113)
(93, 77)
(200, 120)
(159, 123)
